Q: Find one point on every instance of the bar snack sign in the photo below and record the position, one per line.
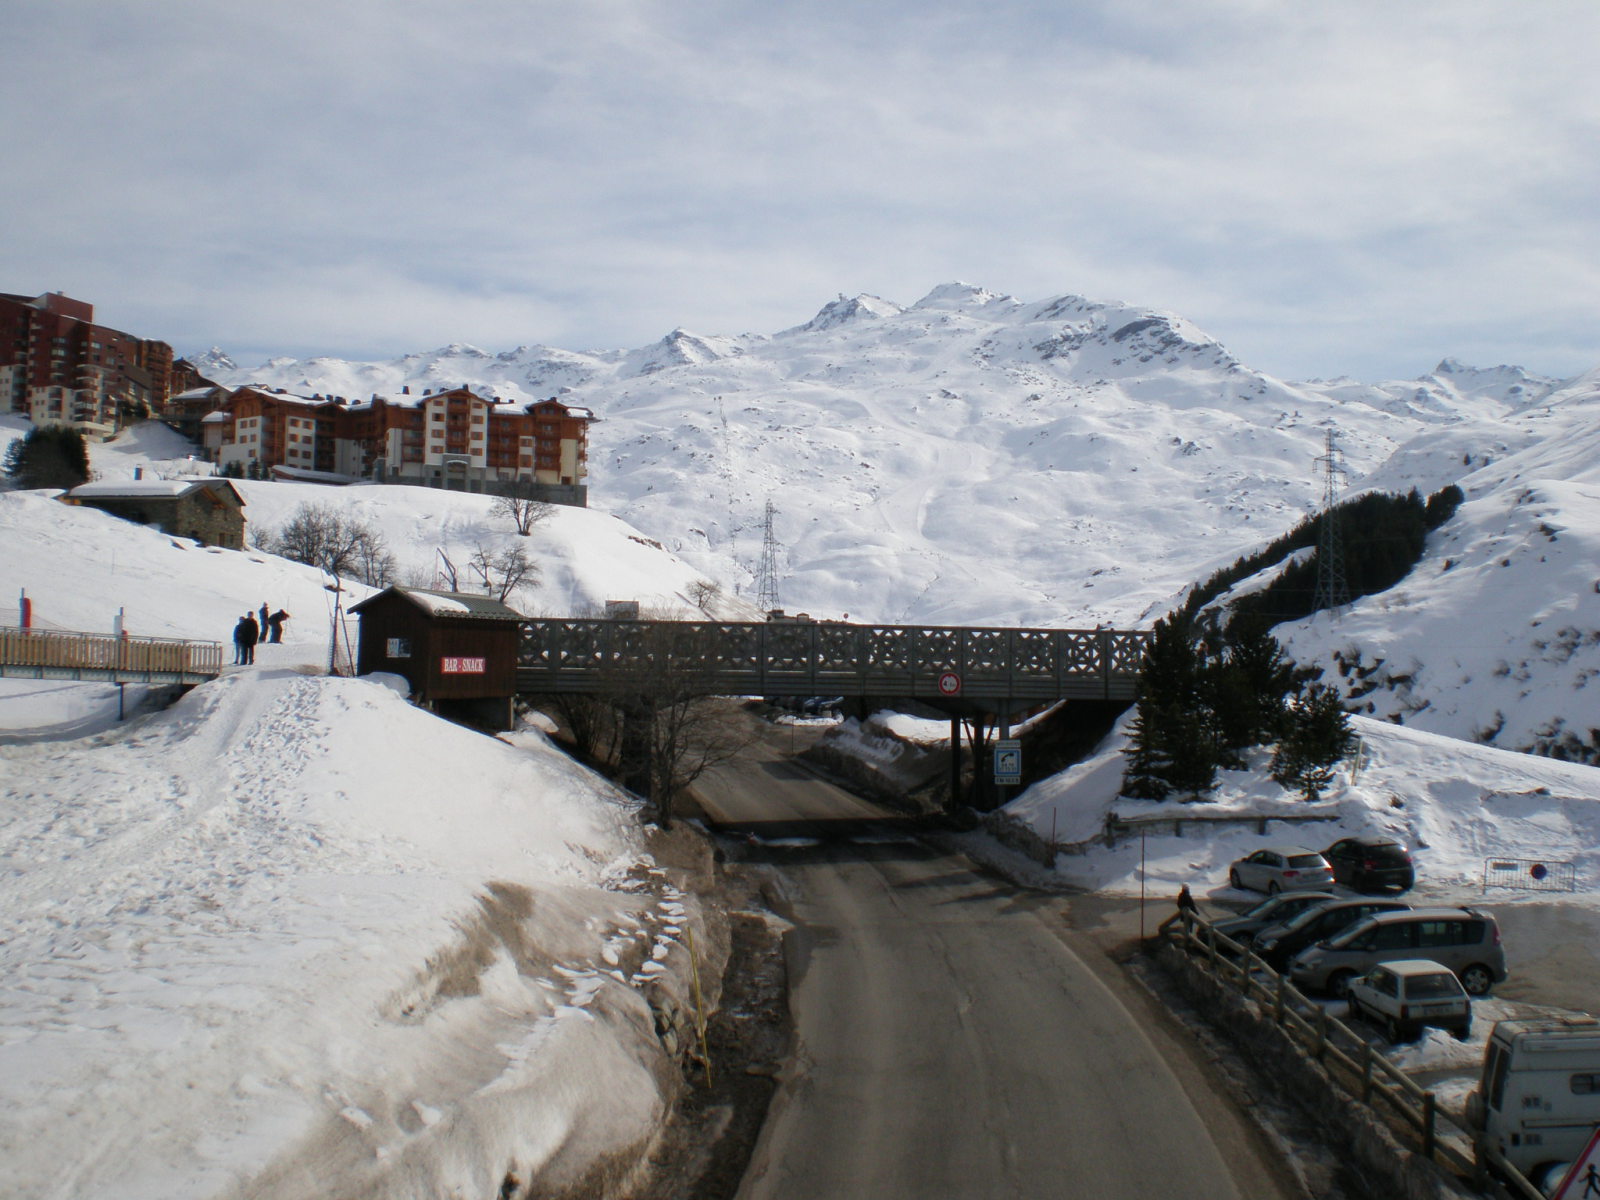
(462, 666)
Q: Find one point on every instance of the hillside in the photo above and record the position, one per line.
(973, 458)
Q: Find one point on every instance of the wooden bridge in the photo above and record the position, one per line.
(58, 654)
(986, 666)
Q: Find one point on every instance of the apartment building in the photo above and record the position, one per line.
(447, 437)
(57, 367)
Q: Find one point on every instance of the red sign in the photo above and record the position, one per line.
(949, 684)
(463, 666)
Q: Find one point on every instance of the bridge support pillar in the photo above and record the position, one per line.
(955, 765)
(638, 727)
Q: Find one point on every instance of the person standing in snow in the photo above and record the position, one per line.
(241, 632)
(275, 621)
(249, 635)
(261, 629)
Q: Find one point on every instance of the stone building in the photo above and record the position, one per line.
(210, 511)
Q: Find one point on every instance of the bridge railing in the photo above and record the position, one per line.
(813, 658)
(51, 653)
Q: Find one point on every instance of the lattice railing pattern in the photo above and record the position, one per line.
(802, 657)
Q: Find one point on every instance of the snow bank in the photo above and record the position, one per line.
(244, 948)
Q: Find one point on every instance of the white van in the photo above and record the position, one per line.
(1539, 1099)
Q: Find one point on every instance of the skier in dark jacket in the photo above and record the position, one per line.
(261, 627)
(275, 622)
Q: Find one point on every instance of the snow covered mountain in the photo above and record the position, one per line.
(975, 458)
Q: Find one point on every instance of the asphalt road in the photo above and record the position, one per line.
(955, 1037)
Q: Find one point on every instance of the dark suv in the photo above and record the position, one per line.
(1369, 863)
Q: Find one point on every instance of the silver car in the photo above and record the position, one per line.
(1282, 869)
(1463, 939)
(1274, 910)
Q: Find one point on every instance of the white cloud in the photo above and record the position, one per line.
(1359, 188)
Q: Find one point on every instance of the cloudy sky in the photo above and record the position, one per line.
(1348, 187)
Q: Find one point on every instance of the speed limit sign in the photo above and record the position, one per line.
(949, 684)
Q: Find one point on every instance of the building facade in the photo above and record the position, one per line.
(448, 438)
(210, 511)
(57, 367)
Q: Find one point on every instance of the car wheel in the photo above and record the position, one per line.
(1273, 889)
(1477, 979)
(1391, 1030)
(1463, 1033)
(1339, 983)
(1233, 880)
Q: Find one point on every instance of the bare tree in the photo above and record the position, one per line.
(702, 592)
(525, 514)
(321, 536)
(502, 571)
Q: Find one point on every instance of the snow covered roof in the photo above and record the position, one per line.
(463, 605)
(305, 475)
(146, 488)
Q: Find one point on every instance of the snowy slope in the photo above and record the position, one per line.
(974, 458)
(294, 936)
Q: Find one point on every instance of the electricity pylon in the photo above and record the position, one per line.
(767, 575)
(1333, 591)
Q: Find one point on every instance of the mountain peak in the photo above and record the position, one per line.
(961, 295)
(847, 310)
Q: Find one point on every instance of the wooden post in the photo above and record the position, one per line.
(1428, 1131)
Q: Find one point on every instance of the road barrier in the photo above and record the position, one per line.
(1348, 1059)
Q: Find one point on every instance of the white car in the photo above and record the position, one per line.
(1281, 869)
(1405, 995)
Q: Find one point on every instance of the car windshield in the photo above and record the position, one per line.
(1270, 904)
(1305, 860)
(1425, 987)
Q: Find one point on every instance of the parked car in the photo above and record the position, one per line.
(1538, 1100)
(1370, 863)
(1463, 939)
(1281, 869)
(1278, 944)
(1409, 993)
(1274, 910)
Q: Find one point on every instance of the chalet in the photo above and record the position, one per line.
(210, 511)
(458, 651)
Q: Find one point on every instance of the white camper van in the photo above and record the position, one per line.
(1539, 1099)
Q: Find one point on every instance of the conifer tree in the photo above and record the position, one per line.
(50, 456)
(1173, 744)
(1316, 735)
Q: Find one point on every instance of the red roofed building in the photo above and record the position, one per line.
(57, 367)
(450, 438)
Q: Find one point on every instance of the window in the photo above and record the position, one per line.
(1585, 1085)
(1399, 936)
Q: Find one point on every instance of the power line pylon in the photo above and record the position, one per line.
(1333, 590)
(767, 575)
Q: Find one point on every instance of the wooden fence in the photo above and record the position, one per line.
(58, 654)
(1349, 1058)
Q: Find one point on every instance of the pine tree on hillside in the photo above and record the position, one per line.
(50, 456)
(1173, 740)
(1250, 682)
(1316, 735)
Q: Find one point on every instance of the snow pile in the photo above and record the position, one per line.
(1456, 805)
(243, 947)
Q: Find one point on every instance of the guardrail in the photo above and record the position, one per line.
(58, 654)
(1355, 1067)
